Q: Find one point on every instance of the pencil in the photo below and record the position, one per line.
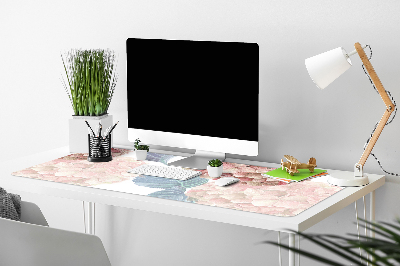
(90, 132)
(89, 127)
(112, 129)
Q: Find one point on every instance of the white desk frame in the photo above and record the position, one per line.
(90, 196)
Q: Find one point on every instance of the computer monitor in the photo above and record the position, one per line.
(199, 95)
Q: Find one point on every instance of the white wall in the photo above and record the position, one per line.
(295, 117)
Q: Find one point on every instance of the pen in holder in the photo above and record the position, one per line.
(99, 148)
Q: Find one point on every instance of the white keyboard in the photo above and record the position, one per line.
(165, 171)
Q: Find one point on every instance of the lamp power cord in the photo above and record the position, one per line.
(387, 123)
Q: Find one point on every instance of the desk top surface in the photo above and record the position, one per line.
(118, 197)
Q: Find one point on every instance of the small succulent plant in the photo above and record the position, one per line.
(140, 147)
(215, 163)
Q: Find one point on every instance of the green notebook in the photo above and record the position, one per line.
(282, 174)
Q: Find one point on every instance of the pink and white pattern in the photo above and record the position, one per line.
(280, 200)
(254, 192)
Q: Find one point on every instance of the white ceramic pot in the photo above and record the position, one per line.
(141, 155)
(214, 171)
(78, 131)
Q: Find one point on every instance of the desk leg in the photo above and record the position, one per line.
(292, 238)
(298, 247)
(88, 215)
(372, 210)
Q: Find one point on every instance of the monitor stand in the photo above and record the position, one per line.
(199, 160)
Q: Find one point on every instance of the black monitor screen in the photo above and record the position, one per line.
(193, 87)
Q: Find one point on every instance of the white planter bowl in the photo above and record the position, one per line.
(214, 171)
(141, 155)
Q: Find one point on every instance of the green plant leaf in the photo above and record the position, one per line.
(384, 251)
(91, 80)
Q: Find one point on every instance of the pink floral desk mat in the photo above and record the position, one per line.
(254, 192)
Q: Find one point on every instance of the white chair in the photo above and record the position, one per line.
(32, 214)
(32, 243)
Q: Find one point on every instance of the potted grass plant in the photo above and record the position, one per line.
(214, 168)
(90, 83)
(140, 150)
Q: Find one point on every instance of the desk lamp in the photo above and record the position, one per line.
(323, 70)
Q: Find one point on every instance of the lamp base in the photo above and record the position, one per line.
(348, 180)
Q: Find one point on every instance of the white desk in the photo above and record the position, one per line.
(297, 223)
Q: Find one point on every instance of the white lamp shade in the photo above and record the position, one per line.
(326, 67)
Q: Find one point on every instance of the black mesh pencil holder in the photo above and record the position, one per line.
(99, 149)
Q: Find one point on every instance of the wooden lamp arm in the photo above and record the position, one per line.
(378, 84)
(389, 109)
